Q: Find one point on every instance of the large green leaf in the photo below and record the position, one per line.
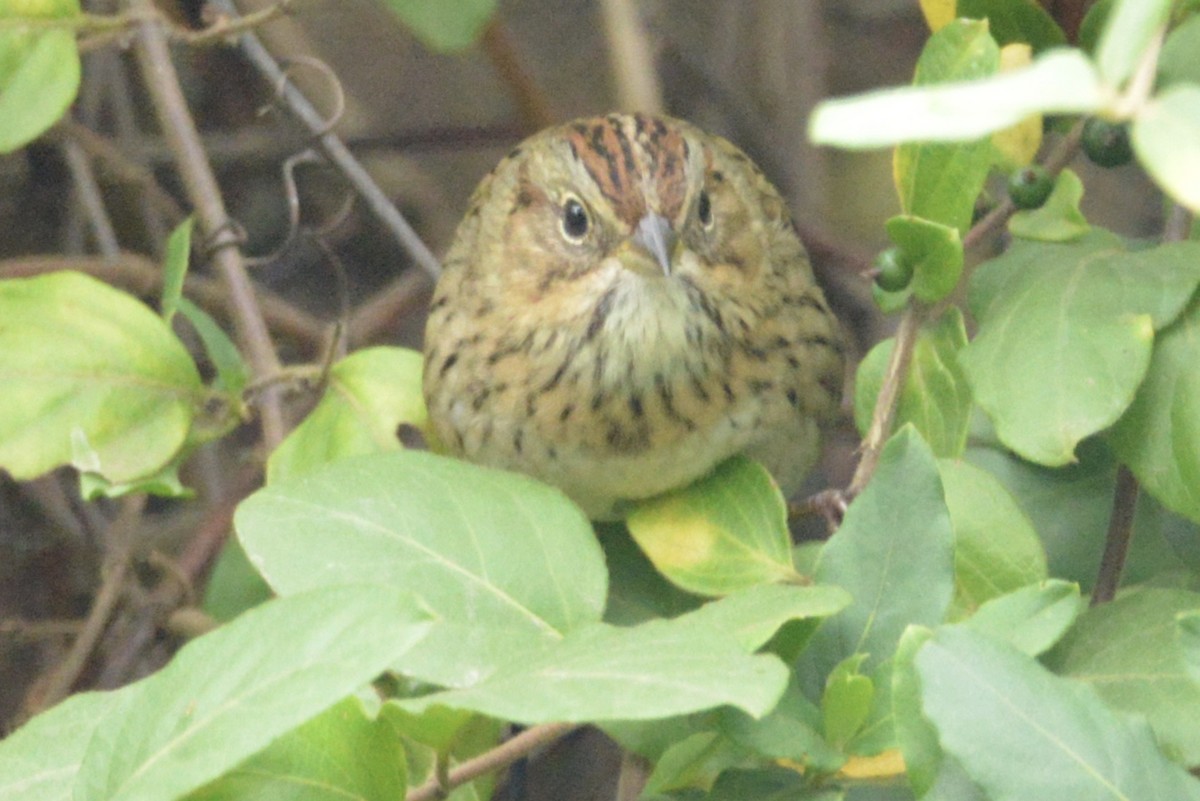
(722, 533)
(1177, 63)
(936, 398)
(1032, 618)
(996, 549)
(1159, 436)
(340, 755)
(39, 761)
(504, 562)
(941, 181)
(1023, 733)
(894, 553)
(1065, 334)
(1129, 652)
(39, 72)
(1061, 81)
(91, 378)
(230, 693)
(370, 394)
(1166, 138)
(601, 672)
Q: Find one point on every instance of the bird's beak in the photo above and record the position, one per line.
(653, 243)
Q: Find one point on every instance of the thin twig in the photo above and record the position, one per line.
(533, 108)
(337, 152)
(889, 395)
(1120, 531)
(113, 572)
(499, 757)
(915, 315)
(379, 313)
(39, 629)
(179, 129)
(226, 27)
(631, 58)
(91, 199)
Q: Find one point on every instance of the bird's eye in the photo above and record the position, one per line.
(704, 210)
(575, 221)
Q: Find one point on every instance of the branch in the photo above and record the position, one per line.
(179, 129)
(499, 757)
(113, 572)
(915, 315)
(533, 108)
(337, 152)
(631, 58)
(1120, 532)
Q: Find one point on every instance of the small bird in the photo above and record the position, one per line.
(625, 305)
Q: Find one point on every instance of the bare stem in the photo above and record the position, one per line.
(499, 757)
(179, 129)
(532, 105)
(334, 148)
(1120, 532)
(631, 58)
(889, 395)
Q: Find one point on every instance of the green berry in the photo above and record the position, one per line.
(1030, 186)
(892, 270)
(1106, 143)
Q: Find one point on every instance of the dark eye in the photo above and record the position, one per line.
(704, 210)
(575, 220)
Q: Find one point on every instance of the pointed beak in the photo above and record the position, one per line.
(655, 238)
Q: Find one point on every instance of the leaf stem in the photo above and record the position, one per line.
(499, 757)
(1120, 532)
(179, 130)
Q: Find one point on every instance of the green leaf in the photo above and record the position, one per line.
(1159, 436)
(39, 761)
(443, 734)
(1177, 63)
(636, 591)
(996, 549)
(445, 26)
(893, 553)
(164, 483)
(846, 701)
(230, 693)
(1065, 334)
(232, 372)
(766, 784)
(234, 585)
(1130, 27)
(936, 398)
(92, 378)
(1166, 138)
(935, 252)
(1032, 618)
(370, 394)
(1060, 82)
(340, 755)
(175, 267)
(996, 708)
(916, 737)
(505, 563)
(1059, 218)
(1128, 651)
(694, 761)
(720, 534)
(39, 78)
(753, 615)
(790, 731)
(940, 182)
(601, 672)
(1188, 627)
(1015, 21)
